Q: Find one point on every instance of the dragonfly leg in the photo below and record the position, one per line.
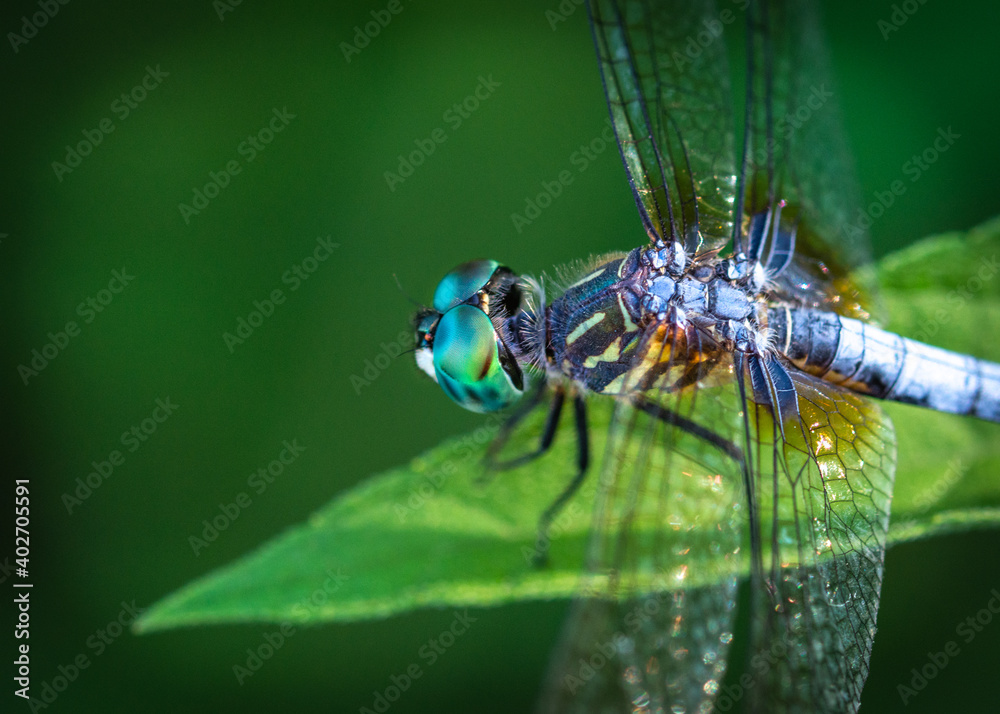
(582, 460)
(756, 552)
(548, 434)
(671, 417)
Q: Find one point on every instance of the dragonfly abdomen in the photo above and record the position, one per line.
(873, 361)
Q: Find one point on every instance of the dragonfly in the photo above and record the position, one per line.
(738, 348)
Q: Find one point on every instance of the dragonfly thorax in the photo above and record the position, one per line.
(596, 327)
(671, 259)
(487, 326)
(689, 297)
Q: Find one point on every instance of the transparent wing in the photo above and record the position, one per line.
(697, 486)
(652, 627)
(822, 486)
(666, 79)
(822, 481)
(796, 149)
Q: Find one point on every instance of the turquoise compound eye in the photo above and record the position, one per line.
(462, 283)
(467, 361)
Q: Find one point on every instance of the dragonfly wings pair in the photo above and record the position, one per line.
(800, 501)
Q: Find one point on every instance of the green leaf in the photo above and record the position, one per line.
(430, 533)
(434, 534)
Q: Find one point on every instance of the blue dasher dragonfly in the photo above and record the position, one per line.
(738, 346)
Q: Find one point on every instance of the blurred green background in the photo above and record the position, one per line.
(323, 175)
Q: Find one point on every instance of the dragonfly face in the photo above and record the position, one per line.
(463, 342)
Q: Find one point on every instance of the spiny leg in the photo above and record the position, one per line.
(583, 457)
(548, 434)
(681, 422)
(582, 460)
(757, 580)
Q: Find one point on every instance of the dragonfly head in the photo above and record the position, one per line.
(462, 342)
